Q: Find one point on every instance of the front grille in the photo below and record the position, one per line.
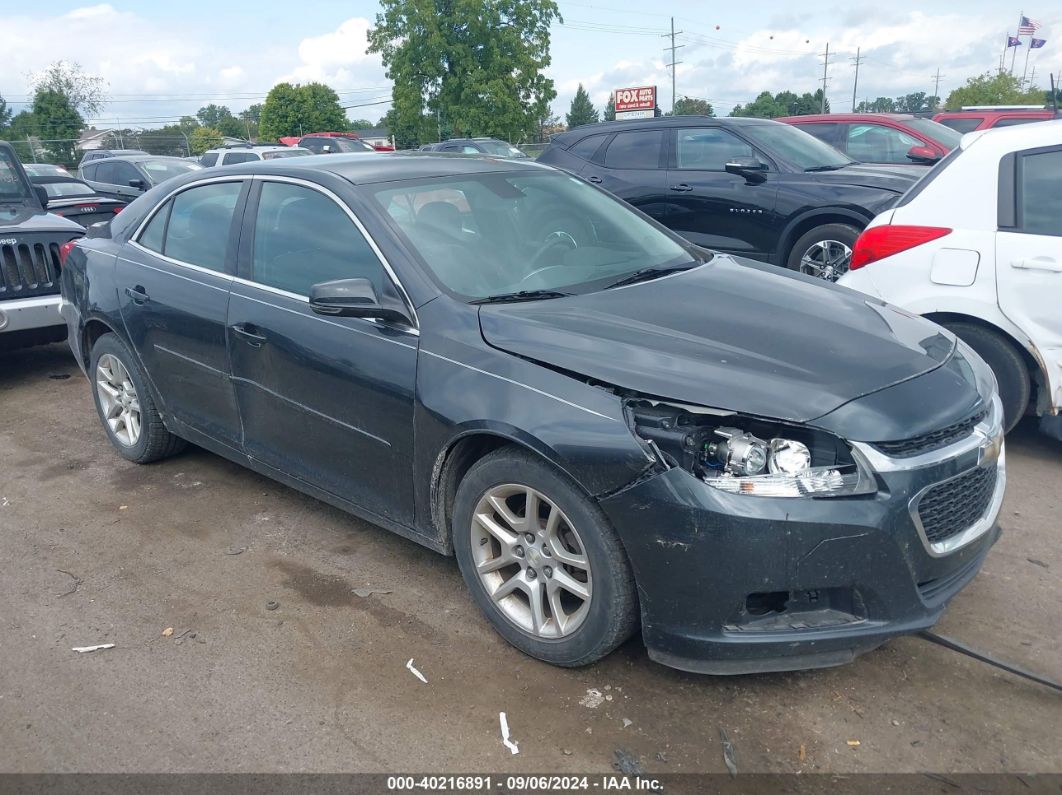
(29, 269)
(932, 441)
(950, 507)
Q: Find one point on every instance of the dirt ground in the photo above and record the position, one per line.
(97, 550)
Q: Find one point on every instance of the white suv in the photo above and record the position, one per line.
(976, 245)
(243, 153)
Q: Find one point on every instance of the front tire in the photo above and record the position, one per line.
(1012, 376)
(556, 584)
(825, 252)
(125, 405)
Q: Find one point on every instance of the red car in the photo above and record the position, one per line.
(881, 137)
(965, 121)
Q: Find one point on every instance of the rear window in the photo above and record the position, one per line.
(963, 124)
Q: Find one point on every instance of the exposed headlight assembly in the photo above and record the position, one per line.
(759, 458)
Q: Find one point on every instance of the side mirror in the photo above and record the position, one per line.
(137, 183)
(356, 298)
(42, 195)
(922, 154)
(748, 167)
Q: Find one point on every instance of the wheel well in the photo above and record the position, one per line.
(94, 329)
(451, 467)
(1031, 365)
(806, 225)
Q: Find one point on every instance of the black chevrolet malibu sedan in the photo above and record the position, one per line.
(606, 425)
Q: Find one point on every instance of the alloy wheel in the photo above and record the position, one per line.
(826, 259)
(118, 400)
(531, 561)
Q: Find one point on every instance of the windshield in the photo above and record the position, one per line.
(12, 186)
(937, 131)
(802, 149)
(351, 145)
(500, 148)
(71, 188)
(490, 234)
(162, 170)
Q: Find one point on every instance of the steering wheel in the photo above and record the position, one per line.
(540, 270)
(552, 240)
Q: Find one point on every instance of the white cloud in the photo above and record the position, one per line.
(340, 54)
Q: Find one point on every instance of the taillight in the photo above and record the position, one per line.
(117, 210)
(879, 242)
(64, 251)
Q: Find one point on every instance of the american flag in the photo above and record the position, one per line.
(1027, 26)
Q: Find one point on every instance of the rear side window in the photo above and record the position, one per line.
(1010, 121)
(965, 124)
(640, 149)
(209, 159)
(239, 157)
(200, 218)
(90, 170)
(1039, 197)
(586, 148)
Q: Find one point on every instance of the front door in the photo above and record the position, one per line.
(715, 209)
(1029, 259)
(174, 293)
(112, 178)
(328, 400)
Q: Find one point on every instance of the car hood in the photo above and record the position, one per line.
(731, 334)
(895, 178)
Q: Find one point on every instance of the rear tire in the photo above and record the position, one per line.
(825, 252)
(572, 549)
(125, 405)
(1006, 363)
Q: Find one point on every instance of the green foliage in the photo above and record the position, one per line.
(298, 110)
(84, 92)
(203, 138)
(918, 102)
(188, 123)
(58, 124)
(220, 118)
(993, 89)
(168, 140)
(5, 116)
(360, 124)
(690, 106)
(610, 109)
(582, 110)
(784, 103)
(474, 64)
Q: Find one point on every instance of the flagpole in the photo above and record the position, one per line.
(1026, 70)
(1003, 56)
(1018, 37)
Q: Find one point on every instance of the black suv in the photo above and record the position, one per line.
(31, 249)
(753, 187)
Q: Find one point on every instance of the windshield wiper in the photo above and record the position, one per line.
(827, 168)
(645, 274)
(521, 295)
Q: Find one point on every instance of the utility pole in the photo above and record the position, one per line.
(1032, 76)
(855, 86)
(936, 87)
(825, 66)
(673, 63)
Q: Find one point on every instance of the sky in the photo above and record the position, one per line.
(161, 60)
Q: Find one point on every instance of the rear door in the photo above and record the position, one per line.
(715, 209)
(173, 284)
(1029, 255)
(633, 166)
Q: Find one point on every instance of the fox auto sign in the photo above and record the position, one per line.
(635, 103)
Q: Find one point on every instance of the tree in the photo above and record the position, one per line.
(220, 118)
(582, 110)
(784, 103)
(58, 124)
(360, 124)
(477, 64)
(203, 138)
(690, 106)
(84, 93)
(610, 109)
(168, 140)
(297, 110)
(993, 89)
(5, 115)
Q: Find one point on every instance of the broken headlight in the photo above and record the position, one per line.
(749, 456)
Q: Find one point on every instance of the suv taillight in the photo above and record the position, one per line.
(64, 251)
(879, 242)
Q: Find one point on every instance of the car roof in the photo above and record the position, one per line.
(1003, 140)
(661, 121)
(845, 117)
(139, 158)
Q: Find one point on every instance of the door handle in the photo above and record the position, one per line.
(1038, 264)
(138, 294)
(682, 187)
(249, 333)
(595, 180)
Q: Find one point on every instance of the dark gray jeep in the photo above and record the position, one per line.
(32, 249)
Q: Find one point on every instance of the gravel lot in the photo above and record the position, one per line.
(320, 683)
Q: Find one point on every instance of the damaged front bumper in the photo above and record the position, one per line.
(733, 584)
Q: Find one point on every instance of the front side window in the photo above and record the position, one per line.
(638, 150)
(200, 219)
(239, 157)
(876, 143)
(124, 174)
(1040, 200)
(804, 151)
(107, 172)
(506, 232)
(709, 149)
(303, 238)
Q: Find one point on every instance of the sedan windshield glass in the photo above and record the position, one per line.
(937, 131)
(511, 232)
(162, 170)
(12, 186)
(803, 150)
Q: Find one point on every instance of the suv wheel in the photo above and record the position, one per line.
(125, 406)
(825, 252)
(541, 560)
(1012, 376)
